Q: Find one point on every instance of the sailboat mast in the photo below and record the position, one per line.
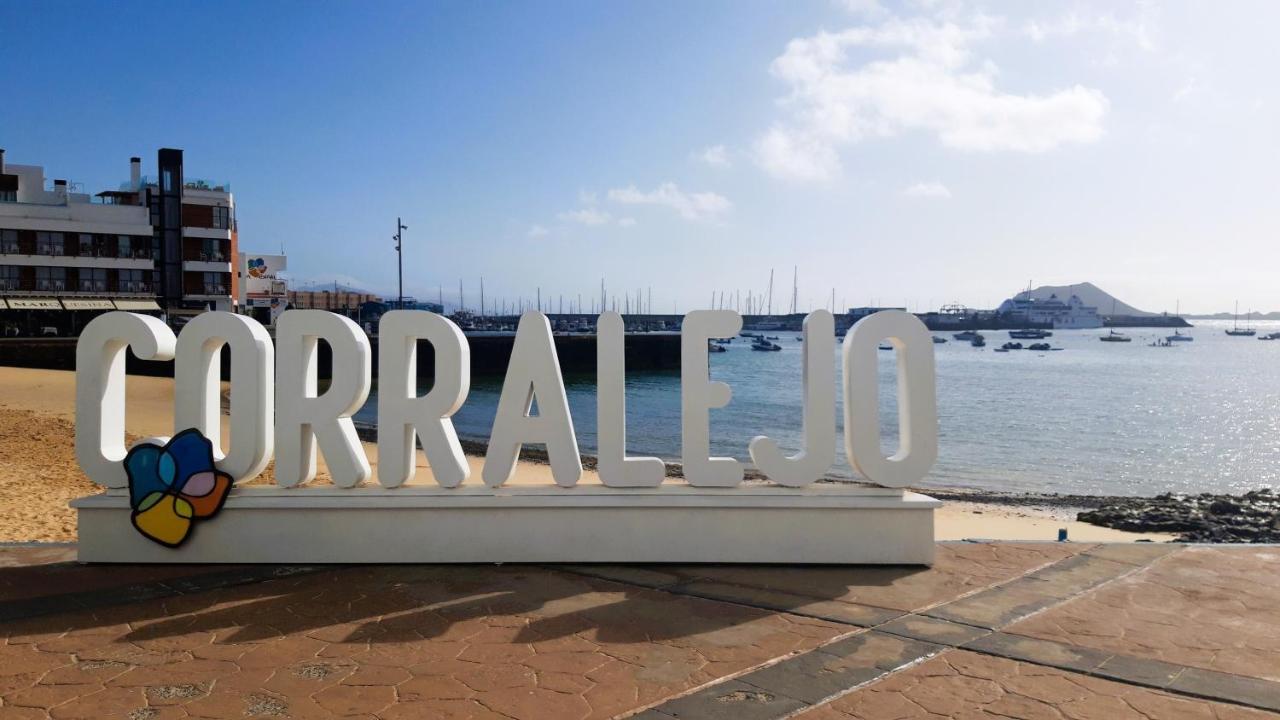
(795, 278)
(771, 292)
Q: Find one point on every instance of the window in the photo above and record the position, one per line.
(51, 279)
(211, 250)
(93, 280)
(9, 242)
(87, 245)
(125, 246)
(222, 218)
(133, 281)
(49, 243)
(8, 196)
(9, 277)
(214, 283)
(168, 180)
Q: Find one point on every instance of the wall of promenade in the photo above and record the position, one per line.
(490, 354)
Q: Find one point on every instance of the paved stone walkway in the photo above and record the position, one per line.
(993, 630)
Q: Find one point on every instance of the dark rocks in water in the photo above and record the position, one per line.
(1253, 517)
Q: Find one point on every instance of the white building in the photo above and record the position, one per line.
(163, 246)
(264, 293)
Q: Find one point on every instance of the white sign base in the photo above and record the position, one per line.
(822, 524)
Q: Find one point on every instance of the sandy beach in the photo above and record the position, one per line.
(39, 474)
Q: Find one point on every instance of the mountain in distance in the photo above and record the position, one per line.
(1273, 315)
(1090, 294)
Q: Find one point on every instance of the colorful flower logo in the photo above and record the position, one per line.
(170, 487)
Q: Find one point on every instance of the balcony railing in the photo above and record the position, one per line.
(9, 249)
(215, 289)
(93, 286)
(212, 257)
(134, 286)
(48, 250)
(8, 285)
(51, 285)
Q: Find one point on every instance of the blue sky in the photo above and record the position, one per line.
(914, 153)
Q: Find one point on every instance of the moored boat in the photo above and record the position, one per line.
(1236, 330)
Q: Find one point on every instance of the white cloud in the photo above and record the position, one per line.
(797, 156)
(586, 216)
(926, 81)
(715, 156)
(626, 222)
(927, 190)
(538, 231)
(1137, 29)
(691, 206)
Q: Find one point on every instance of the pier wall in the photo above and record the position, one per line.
(489, 355)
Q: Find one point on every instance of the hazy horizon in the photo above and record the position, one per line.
(911, 154)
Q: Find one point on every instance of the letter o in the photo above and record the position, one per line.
(917, 399)
(198, 399)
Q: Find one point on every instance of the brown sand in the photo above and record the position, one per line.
(39, 474)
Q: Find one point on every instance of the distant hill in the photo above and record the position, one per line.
(1273, 315)
(1090, 294)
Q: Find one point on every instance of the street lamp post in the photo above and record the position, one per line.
(400, 228)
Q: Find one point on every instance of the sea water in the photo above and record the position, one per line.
(1095, 418)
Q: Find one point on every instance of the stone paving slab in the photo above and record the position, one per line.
(1035, 591)
(28, 571)
(1208, 607)
(468, 640)
(965, 685)
(651, 642)
(959, 569)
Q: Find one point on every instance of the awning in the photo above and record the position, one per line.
(86, 304)
(34, 303)
(3, 305)
(136, 305)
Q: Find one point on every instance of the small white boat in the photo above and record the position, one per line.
(763, 345)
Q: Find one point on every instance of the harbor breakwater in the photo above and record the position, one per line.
(490, 353)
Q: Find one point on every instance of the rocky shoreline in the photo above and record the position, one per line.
(1253, 517)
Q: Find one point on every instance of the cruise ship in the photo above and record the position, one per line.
(1068, 315)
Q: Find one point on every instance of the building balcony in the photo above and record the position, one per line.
(208, 292)
(199, 233)
(136, 288)
(223, 266)
(141, 262)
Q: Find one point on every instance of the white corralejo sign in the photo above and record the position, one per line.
(162, 491)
